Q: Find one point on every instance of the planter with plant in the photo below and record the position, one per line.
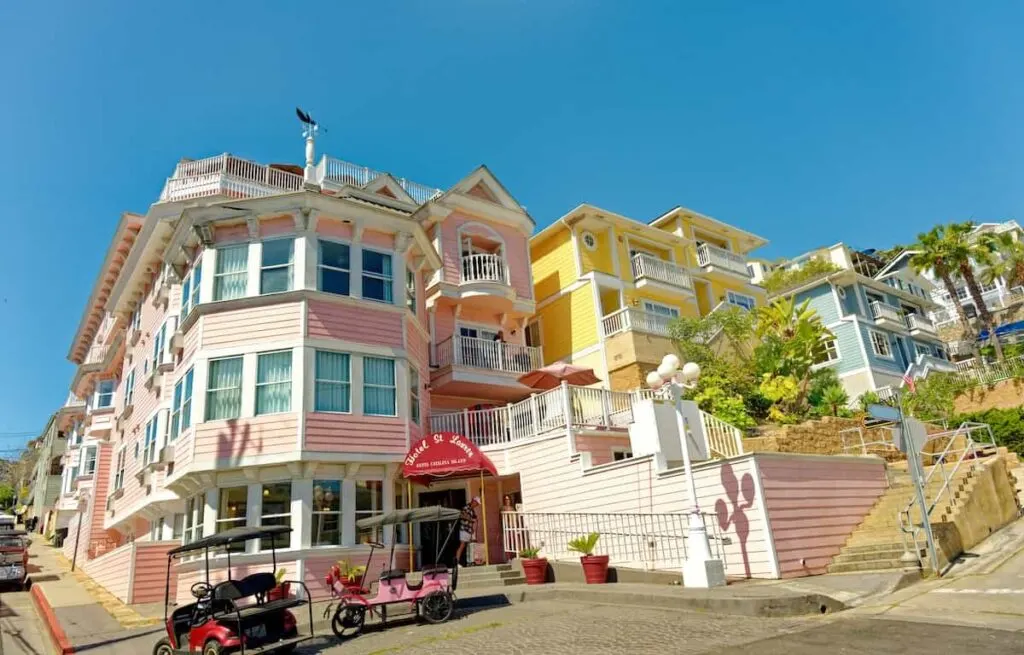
(282, 589)
(534, 568)
(595, 567)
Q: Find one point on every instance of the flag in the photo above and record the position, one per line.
(909, 381)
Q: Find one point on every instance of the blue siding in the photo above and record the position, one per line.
(849, 303)
(850, 357)
(891, 366)
(822, 302)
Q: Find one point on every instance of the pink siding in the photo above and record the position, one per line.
(600, 447)
(517, 255)
(151, 571)
(227, 234)
(333, 228)
(359, 324)
(347, 433)
(815, 503)
(317, 566)
(112, 571)
(417, 348)
(245, 326)
(375, 239)
(183, 448)
(191, 342)
(100, 486)
(225, 442)
(275, 226)
(444, 323)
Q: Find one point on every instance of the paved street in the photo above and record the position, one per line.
(21, 632)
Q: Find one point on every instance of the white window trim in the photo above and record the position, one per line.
(411, 297)
(320, 266)
(363, 514)
(291, 382)
(290, 265)
(340, 512)
(377, 276)
(885, 338)
(191, 300)
(176, 407)
(288, 513)
(244, 272)
(835, 342)
(654, 303)
(119, 468)
(349, 384)
(365, 384)
(414, 395)
(209, 389)
(729, 295)
(627, 453)
(583, 237)
(233, 521)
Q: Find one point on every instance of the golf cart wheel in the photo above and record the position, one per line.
(437, 607)
(163, 647)
(348, 621)
(212, 647)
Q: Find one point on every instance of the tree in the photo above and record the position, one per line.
(1007, 261)
(968, 253)
(835, 397)
(6, 495)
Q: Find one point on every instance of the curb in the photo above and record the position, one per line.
(60, 640)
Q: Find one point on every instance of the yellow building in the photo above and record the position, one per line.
(608, 287)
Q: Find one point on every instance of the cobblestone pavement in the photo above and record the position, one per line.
(541, 627)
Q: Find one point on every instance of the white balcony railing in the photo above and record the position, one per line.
(651, 268)
(919, 323)
(709, 255)
(344, 172)
(883, 312)
(483, 267)
(97, 354)
(488, 354)
(637, 321)
(227, 175)
(541, 414)
(723, 439)
(74, 401)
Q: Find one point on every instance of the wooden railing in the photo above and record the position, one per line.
(709, 255)
(483, 267)
(652, 268)
(881, 311)
(638, 321)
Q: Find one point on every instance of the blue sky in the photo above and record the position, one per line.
(808, 123)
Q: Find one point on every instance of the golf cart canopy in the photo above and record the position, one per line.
(417, 515)
(13, 533)
(231, 536)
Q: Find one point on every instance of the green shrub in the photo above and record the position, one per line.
(783, 279)
(585, 545)
(530, 552)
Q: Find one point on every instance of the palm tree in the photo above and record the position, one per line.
(1007, 261)
(934, 253)
(835, 397)
(969, 253)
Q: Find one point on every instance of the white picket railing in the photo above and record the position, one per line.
(723, 439)
(650, 267)
(920, 323)
(709, 255)
(483, 267)
(643, 541)
(881, 311)
(488, 354)
(972, 373)
(638, 321)
(343, 172)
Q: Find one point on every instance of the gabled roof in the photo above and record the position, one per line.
(755, 240)
(385, 184)
(484, 185)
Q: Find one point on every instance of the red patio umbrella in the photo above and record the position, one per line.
(552, 375)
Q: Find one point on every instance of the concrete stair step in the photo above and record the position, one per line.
(865, 565)
(490, 575)
(885, 554)
(482, 583)
(893, 546)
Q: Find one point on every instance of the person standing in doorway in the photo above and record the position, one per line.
(467, 526)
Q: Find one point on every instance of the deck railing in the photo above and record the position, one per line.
(922, 323)
(652, 268)
(723, 439)
(343, 172)
(639, 321)
(483, 267)
(881, 311)
(709, 255)
(488, 354)
(972, 373)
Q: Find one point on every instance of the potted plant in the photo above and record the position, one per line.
(535, 568)
(282, 588)
(595, 567)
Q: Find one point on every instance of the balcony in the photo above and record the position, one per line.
(649, 269)
(483, 267)
(712, 258)
(888, 316)
(635, 320)
(921, 326)
(550, 412)
(473, 367)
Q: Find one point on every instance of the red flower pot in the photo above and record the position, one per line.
(279, 592)
(595, 568)
(536, 570)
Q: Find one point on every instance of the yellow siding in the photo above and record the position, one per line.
(554, 264)
(569, 324)
(723, 283)
(600, 258)
(595, 361)
(685, 303)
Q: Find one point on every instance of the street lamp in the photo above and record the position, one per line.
(699, 569)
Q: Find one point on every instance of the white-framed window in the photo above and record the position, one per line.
(369, 502)
(379, 386)
(274, 382)
(137, 449)
(377, 276)
(195, 515)
(89, 460)
(136, 322)
(177, 526)
(332, 382)
(190, 289)
(841, 292)
(827, 351)
(276, 510)
(414, 395)
(129, 387)
(234, 504)
(105, 393)
(619, 454)
(149, 446)
(181, 405)
(276, 266)
(740, 300)
(660, 310)
(334, 274)
(224, 389)
(410, 290)
(119, 469)
(589, 241)
(880, 344)
(159, 345)
(231, 274)
(326, 522)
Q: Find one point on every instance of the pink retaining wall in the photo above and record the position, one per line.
(112, 571)
(814, 503)
(151, 571)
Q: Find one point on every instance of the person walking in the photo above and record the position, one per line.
(467, 526)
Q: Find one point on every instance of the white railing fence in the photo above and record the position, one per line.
(642, 541)
(343, 172)
(853, 441)
(600, 407)
(648, 266)
(723, 439)
(483, 267)
(489, 354)
(637, 320)
(709, 255)
(972, 373)
(880, 310)
(918, 322)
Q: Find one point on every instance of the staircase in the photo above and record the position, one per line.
(495, 575)
(877, 543)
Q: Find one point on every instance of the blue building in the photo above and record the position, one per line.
(879, 317)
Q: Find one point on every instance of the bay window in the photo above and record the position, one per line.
(276, 266)
(234, 503)
(149, 447)
(334, 270)
(159, 341)
(129, 387)
(277, 510)
(119, 469)
(326, 522)
(410, 290)
(379, 386)
(195, 515)
(274, 382)
(369, 502)
(104, 394)
(89, 460)
(231, 275)
(377, 280)
(414, 395)
(332, 382)
(181, 405)
(190, 289)
(224, 389)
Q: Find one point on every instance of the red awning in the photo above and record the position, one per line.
(444, 455)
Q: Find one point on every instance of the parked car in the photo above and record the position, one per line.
(13, 559)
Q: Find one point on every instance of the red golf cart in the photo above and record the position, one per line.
(233, 616)
(13, 559)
